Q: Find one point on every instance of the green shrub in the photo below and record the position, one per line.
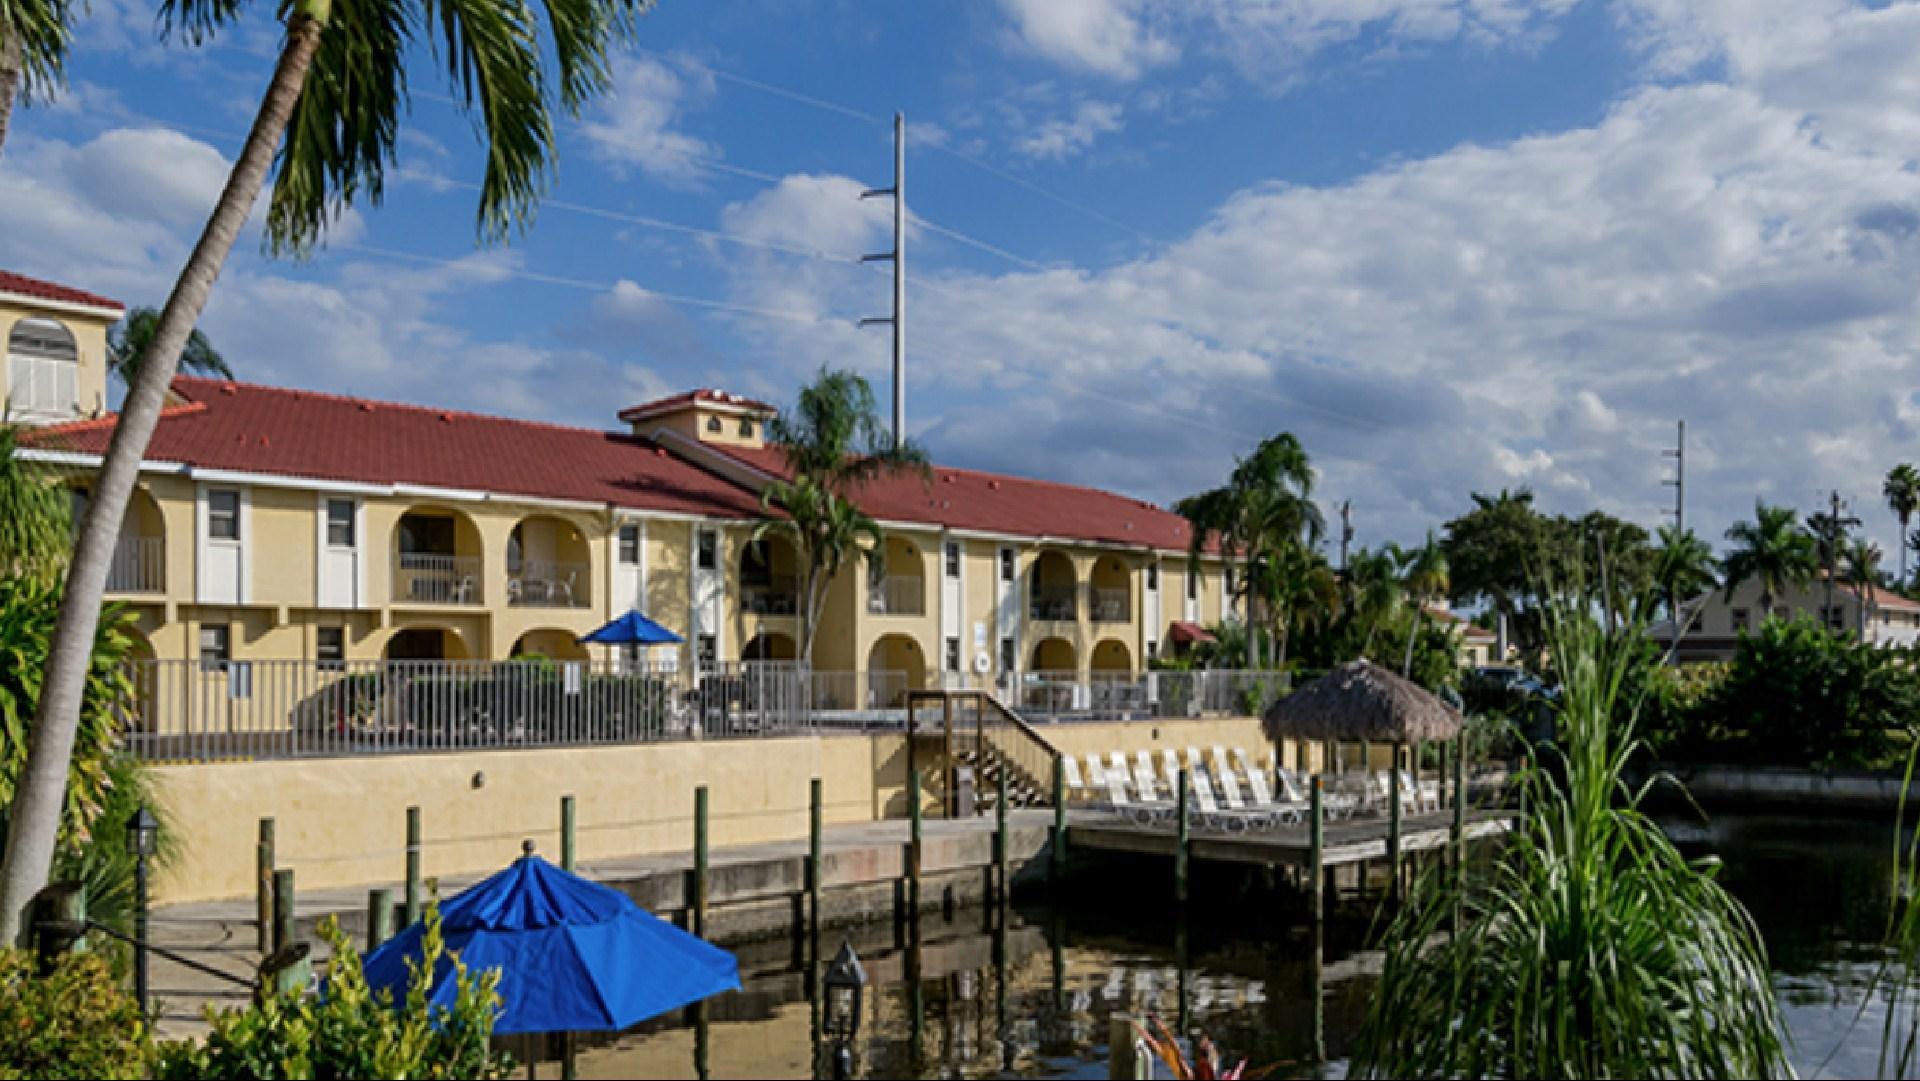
(75, 1022)
(352, 1031)
(1799, 694)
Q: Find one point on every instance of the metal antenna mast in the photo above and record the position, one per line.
(1346, 531)
(1679, 481)
(898, 257)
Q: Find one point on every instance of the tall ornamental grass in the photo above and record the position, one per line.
(1589, 947)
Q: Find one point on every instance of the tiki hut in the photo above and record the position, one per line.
(1361, 701)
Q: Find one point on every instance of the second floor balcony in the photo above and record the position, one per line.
(775, 596)
(1110, 606)
(434, 578)
(1054, 606)
(139, 566)
(898, 595)
(541, 583)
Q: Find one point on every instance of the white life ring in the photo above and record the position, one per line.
(982, 664)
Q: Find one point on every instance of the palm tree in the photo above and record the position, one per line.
(1301, 591)
(1831, 531)
(1771, 549)
(34, 37)
(1861, 570)
(1423, 574)
(1902, 492)
(35, 517)
(128, 343)
(834, 442)
(331, 136)
(1683, 567)
(1372, 591)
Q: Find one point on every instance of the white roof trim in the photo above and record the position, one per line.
(28, 300)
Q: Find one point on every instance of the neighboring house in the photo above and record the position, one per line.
(1715, 620)
(1476, 642)
(56, 350)
(280, 524)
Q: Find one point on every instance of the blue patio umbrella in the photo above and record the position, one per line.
(574, 956)
(632, 629)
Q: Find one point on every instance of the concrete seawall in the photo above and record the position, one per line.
(1780, 787)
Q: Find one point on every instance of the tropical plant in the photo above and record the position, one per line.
(327, 126)
(1684, 568)
(1860, 569)
(1772, 550)
(1300, 591)
(833, 442)
(1800, 693)
(1832, 533)
(35, 515)
(1371, 594)
(352, 1030)
(34, 38)
(72, 1021)
(1902, 493)
(1589, 947)
(1423, 576)
(129, 339)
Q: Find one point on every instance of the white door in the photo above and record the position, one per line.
(340, 558)
(629, 569)
(1192, 579)
(1006, 614)
(221, 556)
(1150, 617)
(709, 596)
(953, 643)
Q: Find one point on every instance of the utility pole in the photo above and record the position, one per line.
(1830, 553)
(898, 257)
(1346, 532)
(1679, 480)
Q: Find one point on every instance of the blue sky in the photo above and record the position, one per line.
(1455, 245)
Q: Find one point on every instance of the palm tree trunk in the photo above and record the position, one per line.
(32, 830)
(1406, 668)
(1903, 517)
(10, 86)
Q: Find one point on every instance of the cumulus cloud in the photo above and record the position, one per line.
(1068, 136)
(634, 125)
(1106, 37)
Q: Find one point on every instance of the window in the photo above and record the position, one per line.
(43, 367)
(223, 514)
(1153, 649)
(756, 565)
(953, 559)
(630, 545)
(340, 523)
(706, 651)
(1006, 564)
(746, 429)
(1193, 585)
(1739, 619)
(216, 647)
(1153, 576)
(1006, 655)
(706, 549)
(953, 653)
(713, 425)
(330, 648)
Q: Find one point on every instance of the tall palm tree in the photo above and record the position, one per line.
(128, 343)
(328, 125)
(1424, 576)
(34, 37)
(834, 442)
(1683, 567)
(1372, 591)
(1831, 531)
(1861, 570)
(1771, 549)
(1902, 492)
(1301, 591)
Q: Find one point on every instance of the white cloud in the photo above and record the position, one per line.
(634, 123)
(1072, 135)
(1106, 37)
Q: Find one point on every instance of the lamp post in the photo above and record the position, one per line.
(843, 984)
(142, 830)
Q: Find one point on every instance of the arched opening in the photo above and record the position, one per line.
(1111, 659)
(1055, 588)
(437, 558)
(142, 710)
(1111, 596)
(548, 564)
(770, 577)
(43, 371)
(1055, 658)
(897, 585)
(551, 643)
(425, 644)
(770, 646)
(895, 665)
(140, 553)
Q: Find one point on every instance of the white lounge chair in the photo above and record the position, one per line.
(1285, 811)
(1076, 784)
(1139, 811)
(1143, 779)
(1208, 813)
(1225, 781)
(1426, 794)
(1335, 800)
(1096, 773)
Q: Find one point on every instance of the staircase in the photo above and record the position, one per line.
(974, 730)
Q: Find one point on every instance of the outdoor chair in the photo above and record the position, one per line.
(1263, 800)
(1140, 812)
(1143, 774)
(1070, 773)
(1210, 815)
(1426, 794)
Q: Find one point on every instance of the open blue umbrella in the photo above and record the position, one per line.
(574, 956)
(632, 629)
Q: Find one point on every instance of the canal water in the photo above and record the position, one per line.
(966, 994)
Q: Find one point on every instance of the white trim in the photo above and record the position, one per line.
(649, 410)
(71, 307)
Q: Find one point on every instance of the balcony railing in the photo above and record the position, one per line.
(898, 595)
(778, 597)
(139, 566)
(542, 583)
(1054, 606)
(432, 578)
(1111, 606)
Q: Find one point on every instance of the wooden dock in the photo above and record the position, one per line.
(1359, 840)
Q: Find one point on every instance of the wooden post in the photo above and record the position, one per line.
(814, 832)
(1181, 828)
(1316, 846)
(700, 861)
(913, 849)
(412, 914)
(1057, 864)
(1000, 858)
(263, 885)
(1446, 772)
(566, 833)
(1366, 756)
(1393, 824)
(1460, 803)
(282, 908)
(379, 917)
(1124, 1062)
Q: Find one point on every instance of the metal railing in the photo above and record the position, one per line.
(1054, 605)
(139, 566)
(541, 583)
(190, 711)
(777, 597)
(433, 578)
(1111, 606)
(898, 595)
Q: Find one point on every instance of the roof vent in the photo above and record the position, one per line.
(229, 389)
(951, 479)
(446, 418)
(265, 442)
(366, 407)
(994, 484)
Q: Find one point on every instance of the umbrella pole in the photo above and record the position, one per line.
(568, 1071)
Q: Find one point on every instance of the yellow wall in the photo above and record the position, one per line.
(89, 339)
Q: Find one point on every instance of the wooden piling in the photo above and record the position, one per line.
(1393, 825)
(412, 913)
(1460, 802)
(1316, 846)
(263, 885)
(814, 832)
(700, 861)
(1056, 865)
(379, 917)
(1181, 839)
(913, 848)
(566, 834)
(1000, 841)
(282, 908)
(1124, 1062)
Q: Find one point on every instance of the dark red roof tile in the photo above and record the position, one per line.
(22, 285)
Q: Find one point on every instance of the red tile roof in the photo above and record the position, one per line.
(1000, 503)
(711, 397)
(298, 433)
(22, 285)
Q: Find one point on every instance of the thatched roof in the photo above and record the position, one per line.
(1359, 701)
